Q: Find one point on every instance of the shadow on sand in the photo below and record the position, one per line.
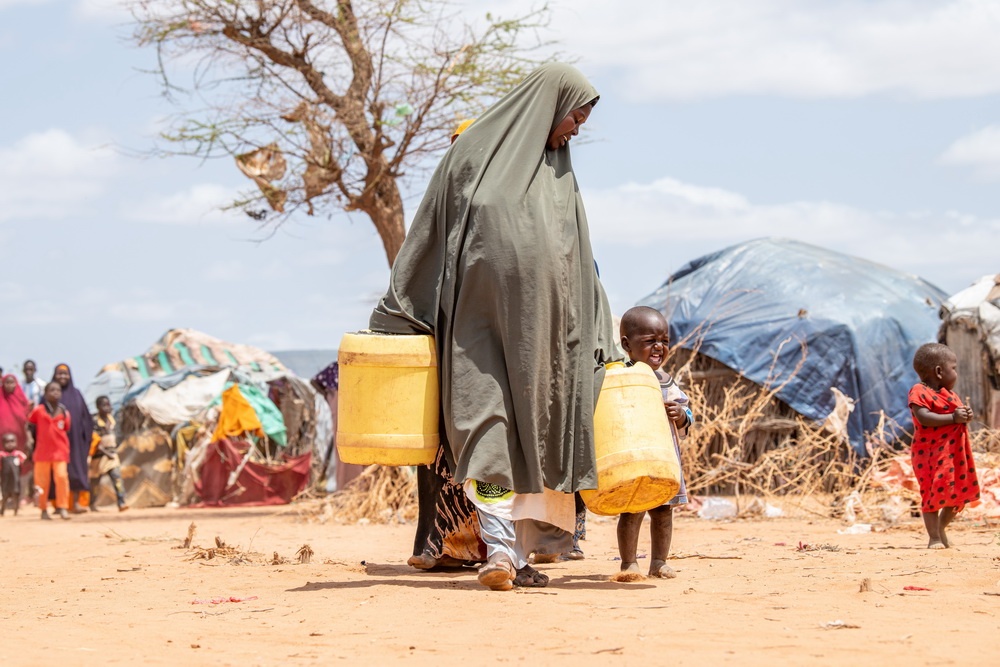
(458, 577)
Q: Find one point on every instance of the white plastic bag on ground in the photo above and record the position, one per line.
(856, 529)
(714, 507)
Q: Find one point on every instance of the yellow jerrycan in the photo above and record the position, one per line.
(637, 467)
(388, 400)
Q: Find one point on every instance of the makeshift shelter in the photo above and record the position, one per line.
(171, 413)
(178, 349)
(971, 328)
(816, 326)
(228, 477)
(321, 367)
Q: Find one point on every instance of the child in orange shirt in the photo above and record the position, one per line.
(49, 424)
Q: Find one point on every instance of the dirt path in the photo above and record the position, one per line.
(109, 588)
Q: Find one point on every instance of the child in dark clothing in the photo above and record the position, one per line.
(104, 455)
(11, 460)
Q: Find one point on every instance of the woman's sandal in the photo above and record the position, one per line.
(497, 573)
(425, 561)
(529, 577)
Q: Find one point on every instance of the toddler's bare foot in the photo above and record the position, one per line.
(936, 544)
(658, 568)
(944, 539)
(629, 573)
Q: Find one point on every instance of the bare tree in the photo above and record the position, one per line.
(327, 105)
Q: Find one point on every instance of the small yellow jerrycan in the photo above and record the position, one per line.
(637, 467)
(388, 400)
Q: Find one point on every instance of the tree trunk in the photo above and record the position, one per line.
(384, 205)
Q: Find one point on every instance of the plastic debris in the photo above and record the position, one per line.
(759, 507)
(715, 507)
(915, 588)
(852, 505)
(221, 600)
(856, 529)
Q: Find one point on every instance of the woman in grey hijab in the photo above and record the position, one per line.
(498, 267)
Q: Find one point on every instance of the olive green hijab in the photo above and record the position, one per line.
(498, 267)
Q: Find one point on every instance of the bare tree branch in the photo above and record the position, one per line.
(349, 94)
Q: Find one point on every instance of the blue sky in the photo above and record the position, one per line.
(870, 127)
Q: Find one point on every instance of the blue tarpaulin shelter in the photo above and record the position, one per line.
(860, 322)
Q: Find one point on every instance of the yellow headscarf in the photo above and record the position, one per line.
(462, 127)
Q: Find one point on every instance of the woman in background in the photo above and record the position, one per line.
(80, 434)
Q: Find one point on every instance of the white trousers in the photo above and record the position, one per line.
(519, 539)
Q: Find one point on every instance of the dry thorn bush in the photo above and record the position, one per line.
(380, 494)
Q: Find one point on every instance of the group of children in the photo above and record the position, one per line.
(49, 424)
(941, 451)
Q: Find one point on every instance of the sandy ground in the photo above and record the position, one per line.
(113, 588)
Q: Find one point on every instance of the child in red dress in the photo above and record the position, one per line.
(942, 457)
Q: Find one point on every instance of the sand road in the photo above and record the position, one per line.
(113, 588)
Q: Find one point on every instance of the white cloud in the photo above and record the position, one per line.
(683, 221)
(275, 340)
(39, 312)
(143, 305)
(108, 11)
(11, 292)
(979, 150)
(146, 311)
(224, 270)
(7, 4)
(197, 204)
(674, 49)
(52, 174)
(95, 297)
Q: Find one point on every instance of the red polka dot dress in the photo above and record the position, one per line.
(942, 457)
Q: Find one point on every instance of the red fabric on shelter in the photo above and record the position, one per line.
(257, 483)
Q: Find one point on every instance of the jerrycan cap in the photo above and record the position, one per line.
(615, 364)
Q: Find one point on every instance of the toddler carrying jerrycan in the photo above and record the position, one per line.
(637, 467)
